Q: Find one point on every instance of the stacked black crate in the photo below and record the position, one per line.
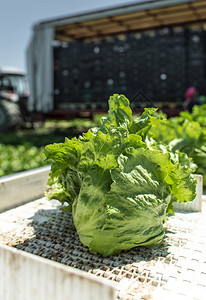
(97, 72)
(135, 68)
(86, 65)
(179, 62)
(57, 74)
(148, 58)
(162, 65)
(74, 57)
(121, 48)
(67, 74)
(61, 73)
(131, 67)
(196, 59)
(110, 82)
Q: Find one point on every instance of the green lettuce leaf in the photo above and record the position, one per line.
(185, 136)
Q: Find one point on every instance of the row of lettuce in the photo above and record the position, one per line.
(187, 134)
(24, 150)
(17, 158)
(120, 180)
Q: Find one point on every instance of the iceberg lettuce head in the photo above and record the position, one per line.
(119, 185)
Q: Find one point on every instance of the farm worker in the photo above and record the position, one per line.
(190, 98)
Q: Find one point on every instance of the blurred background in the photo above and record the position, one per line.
(18, 18)
(60, 62)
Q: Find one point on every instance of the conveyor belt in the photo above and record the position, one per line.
(176, 269)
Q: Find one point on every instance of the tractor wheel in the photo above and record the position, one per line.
(10, 115)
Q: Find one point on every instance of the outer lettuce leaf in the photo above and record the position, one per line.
(56, 191)
(181, 169)
(123, 215)
(142, 125)
(129, 202)
(119, 114)
(69, 162)
(199, 157)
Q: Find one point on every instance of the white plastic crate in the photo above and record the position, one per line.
(22, 187)
(26, 276)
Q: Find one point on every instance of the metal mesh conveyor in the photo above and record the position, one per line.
(176, 269)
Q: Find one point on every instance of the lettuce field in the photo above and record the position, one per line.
(24, 149)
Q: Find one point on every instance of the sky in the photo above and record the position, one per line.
(17, 19)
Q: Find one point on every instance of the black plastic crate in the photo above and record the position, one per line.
(152, 62)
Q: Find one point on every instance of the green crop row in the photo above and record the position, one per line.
(19, 158)
(24, 150)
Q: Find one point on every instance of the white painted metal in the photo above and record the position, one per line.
(11, 70)
(196, 204)
(30, 185)
(22, 187)
(26, 276)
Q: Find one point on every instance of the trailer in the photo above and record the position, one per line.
(150, 51)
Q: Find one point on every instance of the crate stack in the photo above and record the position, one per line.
(134, 64)
(99, 73)
(196, 59)
(147, 64)
(179, 63)
(161, 63)
(108, 58)
(90, 71)
(67, 73)
(61, 72)
(121, 48)
(137, 73)
(72, 72)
